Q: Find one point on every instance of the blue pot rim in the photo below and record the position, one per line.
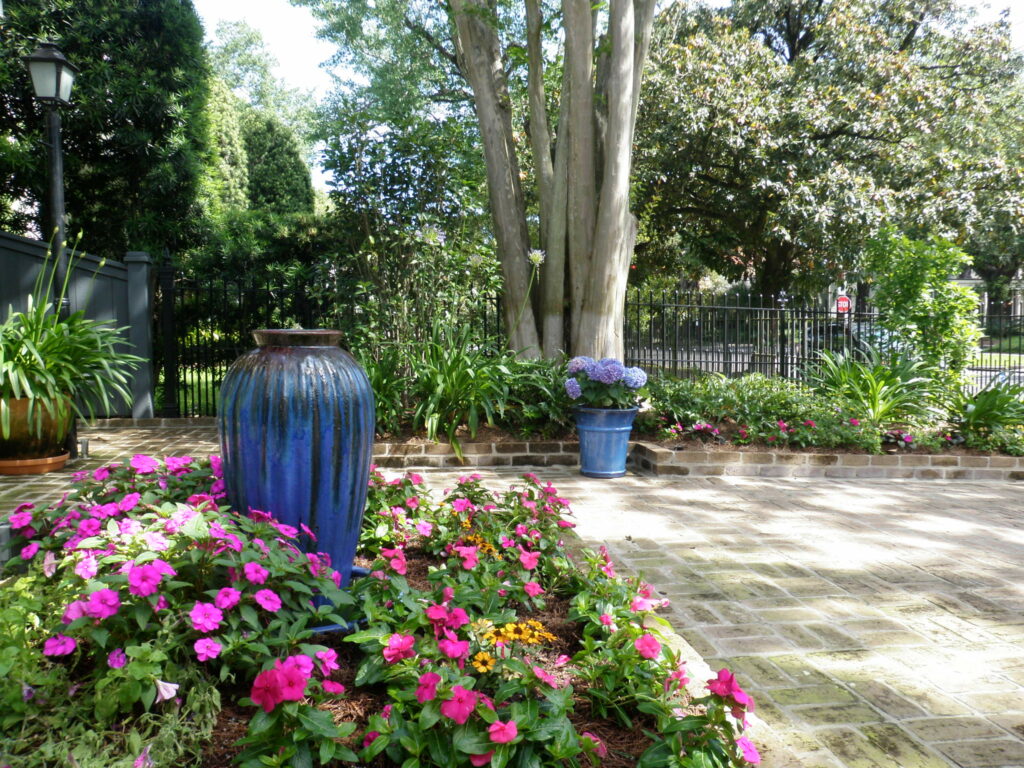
(594, 409)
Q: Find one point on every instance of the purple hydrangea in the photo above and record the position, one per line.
(634, 378)
(578, 364)
(608, 372)
(572, 388)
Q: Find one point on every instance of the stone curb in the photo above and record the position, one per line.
(665, 461)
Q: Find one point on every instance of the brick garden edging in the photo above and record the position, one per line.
(532, 453)
(649, 457)
(665, 461)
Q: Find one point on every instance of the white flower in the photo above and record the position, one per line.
(165, 691)
(536, 257)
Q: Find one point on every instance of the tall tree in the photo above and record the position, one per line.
(779, 136)
(278, 178)
(579, 123)
(135, 135)
(240, 57)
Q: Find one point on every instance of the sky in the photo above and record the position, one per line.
(290, 34)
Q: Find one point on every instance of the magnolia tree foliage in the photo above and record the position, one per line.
(557, 172)
(777, 137)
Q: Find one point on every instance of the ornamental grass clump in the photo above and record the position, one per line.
(605, 383)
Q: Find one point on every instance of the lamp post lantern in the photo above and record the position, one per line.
(52, 78)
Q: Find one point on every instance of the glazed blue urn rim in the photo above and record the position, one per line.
(297, 337)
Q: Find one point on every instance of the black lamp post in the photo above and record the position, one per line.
(52, 77)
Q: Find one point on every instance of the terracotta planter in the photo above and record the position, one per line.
(25, 443)
(33, 466)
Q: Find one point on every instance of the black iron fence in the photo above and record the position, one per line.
(685, 334)
(203, 326)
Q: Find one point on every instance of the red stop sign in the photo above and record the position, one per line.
(842, 304)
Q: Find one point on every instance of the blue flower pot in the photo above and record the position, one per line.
(296, 426)
(604, 439)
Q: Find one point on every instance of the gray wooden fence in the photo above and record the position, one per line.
(120, 293)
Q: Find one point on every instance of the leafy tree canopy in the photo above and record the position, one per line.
(777, 137)
(135, 135)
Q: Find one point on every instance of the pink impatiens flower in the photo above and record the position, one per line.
(647, 646)
(529, 560)
(144, 465)
(21, 517)
(452, 647)
(332, 687)
(144, 580)
(103, 604)
(268, 600)
(29, 551)
(328, 661)
(399, 647)
(545, 677)
(206, 617)
(396, 559)
(503, 733)
(483, 759)
(460, 706)
(427, 688)
(532, 588)
(425, 528)
(116, 659)
(595, 743)
(469, 557)
(227, 598)
(206, 649)
(748, 750)
(59, 645)
(87, 568)
(255, 573)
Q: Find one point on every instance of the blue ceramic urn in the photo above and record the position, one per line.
(296, 424)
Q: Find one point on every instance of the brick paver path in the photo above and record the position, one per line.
(879, 624)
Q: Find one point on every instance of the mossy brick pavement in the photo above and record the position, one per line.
(878, 623)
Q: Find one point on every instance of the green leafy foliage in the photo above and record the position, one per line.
(997, 407)
(135, 137)
(456, 382)
(879, 391)
(934, 318)
(61, 365)
(278, 179)
(808, 126)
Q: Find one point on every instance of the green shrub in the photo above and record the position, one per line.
(929, 315)
(537, 403)
(996, 407)
(754, 400)
(387, 366)
(880, 392)
(456, 382)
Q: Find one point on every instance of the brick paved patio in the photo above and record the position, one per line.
(878, 623)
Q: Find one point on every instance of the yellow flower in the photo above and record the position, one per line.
(483, 662)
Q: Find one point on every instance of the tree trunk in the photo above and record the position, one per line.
(480, 58)
(579, 135)
(553, 283)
